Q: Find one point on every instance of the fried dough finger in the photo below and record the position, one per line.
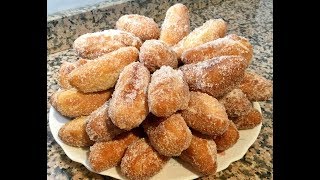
(228, 138)
(248, 121)
(72, 103)
(102, 73)
(65, 70)
(128, 105)
(73, 133)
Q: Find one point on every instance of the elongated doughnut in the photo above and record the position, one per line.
(201, 155)
(236, 103)
(205, 114)
(176, 24)
(168, 92)
(169, 136)
(107, 154)
(93, 45)
(248, 121)
(99, 126)
(256, 87)
(73, 133)
(155, 53)
(216, 76)
(209, 31)
(102, 73)
(228, 138)
(229, 45)
(141, 161)
(141, 26)
(72, 103)
(128, 105)
(65, 70)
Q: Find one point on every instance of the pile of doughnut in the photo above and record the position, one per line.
(141, 94)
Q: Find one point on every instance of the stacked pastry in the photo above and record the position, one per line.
(140, 95)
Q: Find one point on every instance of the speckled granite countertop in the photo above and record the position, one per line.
(249, 18)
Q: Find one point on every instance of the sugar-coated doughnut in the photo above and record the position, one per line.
(102, 73)
(231, 44)
(107, 154)
(141, 161)
(72, 103)
(256, 87)
(168, 92)
(73, 133)
(65, 70)
(169, 136)
(205, 114)
(155, 53)
(228, 138)
(128, 105)
(216, 76)
(176, 24)
(141, 26)
(93, 45)
(201, 155)
(236, 103)
(209, 31)
(248, 121)
(99, 126)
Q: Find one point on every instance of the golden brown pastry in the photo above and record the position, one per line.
(216, 76)
(248, 121)
(155, 53)
(205, 114)
(65, 70)
(73, 133)
(201, 155)
(256, 87)
(72, 103)
(169, 136)
(228, 138)
(141, 26)
(141, 161)
(226, 46)
(176, 24)
(93, 45)
(105, 155)
(168, 92)
(236, 103)
(102, 73)
(128, 105)
(99, 126)
(209, 31)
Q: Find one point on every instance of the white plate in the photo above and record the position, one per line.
(174, 169)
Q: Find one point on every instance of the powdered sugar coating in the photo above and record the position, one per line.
(65, 69)
(169, 136)
(231, 44)
(216, 76)
(141, 161)
(155, 53)
(168, 92)
(176, 24)
(141, 26)
(128, 105)
(93, 45)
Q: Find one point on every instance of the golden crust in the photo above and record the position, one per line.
(236, 103)
(141, 161)
(201, 155)
(169, 136)
(93, 45)
(216, 76)
(99, 126)
(72, 103)
(248, 121)
(141, 26)
(256, 87)
(228, 138)
(128, 105)
(102, 73)
(228, 45)
(205, 114)
(176, 24)
(108, 154)
(65, 70)
(155, 53)
(73, 133)
(209, 31)
(168, 92)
